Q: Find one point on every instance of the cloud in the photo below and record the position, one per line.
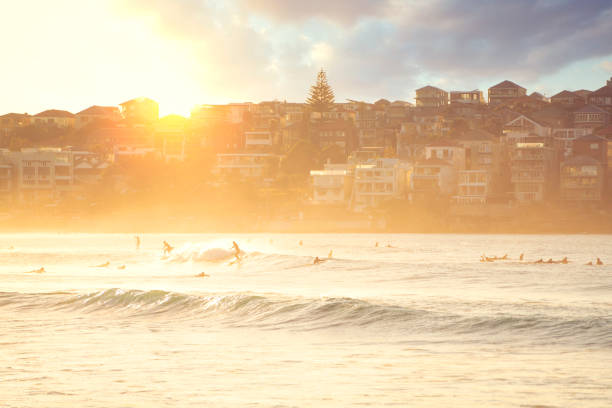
(341, 11)
(606, 66)
(373, 48)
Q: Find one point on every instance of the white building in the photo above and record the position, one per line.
(473, 187)
(42, 173)
(377, 181)
(260, 140)
(247, 166)
(330, 185)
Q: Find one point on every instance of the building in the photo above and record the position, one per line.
(538, 96)
(339, 133)
(563, 139)
(533, 172)
(504, 91)
(140, 110)
(332, 185)
(12, 121)
(96, 113)
(582, 180)
(260, 140)
(254, 167)
(431, 97)
(88, 168)
(377, 181)
(567, 98)
(467, 97)
(451, 152)
(591, 117)
(42, 174)
(602, 98)
(171, 132)
(473, 187)
(523, 129)
(6, 178)
(432, 178)
(54, 117)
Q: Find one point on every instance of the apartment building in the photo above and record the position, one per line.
(332, 185)
(533, 168)
(467, 97)
(582, 180)
(255, 167)
(377, 181)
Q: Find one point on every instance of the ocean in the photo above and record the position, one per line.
(387, 320)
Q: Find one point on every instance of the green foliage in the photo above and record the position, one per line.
(321, 95)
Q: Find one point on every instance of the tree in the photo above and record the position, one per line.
(321, 95)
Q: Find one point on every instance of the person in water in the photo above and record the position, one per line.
(331, 252)
(301, 243)
(104, 265)
(599, 262)
(521, 257)
(40, 270)
(137, 238)
(317, 260)
(167, 248)
(236, 250)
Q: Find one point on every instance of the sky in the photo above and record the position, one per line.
(71, 54)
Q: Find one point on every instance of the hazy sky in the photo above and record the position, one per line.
(70, 54)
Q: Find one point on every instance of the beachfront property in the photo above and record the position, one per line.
(432, 178)
(448, 151)
(332, 185)
(582, 180)
(504, 91)
(255, 167)
(377, 181)
(41, 174)
(473, 187)
(533, 170)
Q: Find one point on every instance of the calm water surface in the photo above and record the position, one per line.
(420, 323)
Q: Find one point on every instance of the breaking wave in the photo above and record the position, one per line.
(276, 312)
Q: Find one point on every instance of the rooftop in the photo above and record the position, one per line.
(506, 84)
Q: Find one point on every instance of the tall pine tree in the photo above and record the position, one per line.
(321, 95)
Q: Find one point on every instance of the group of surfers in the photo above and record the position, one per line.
(484, 258)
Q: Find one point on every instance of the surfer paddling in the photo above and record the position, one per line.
(137, 239)
(39, 270)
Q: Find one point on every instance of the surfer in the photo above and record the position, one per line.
(376, 245)
(539, 261)
(564, 260)
(137, 238)
(521, 257)
(167, 248)
(301, 243)
(331, 252)
(599, 262)
(202, 275)
(121, 267)
(317, 260)
(590, 263)
(549, 261)
(40, 270)
(236, 250)
(104, 265)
